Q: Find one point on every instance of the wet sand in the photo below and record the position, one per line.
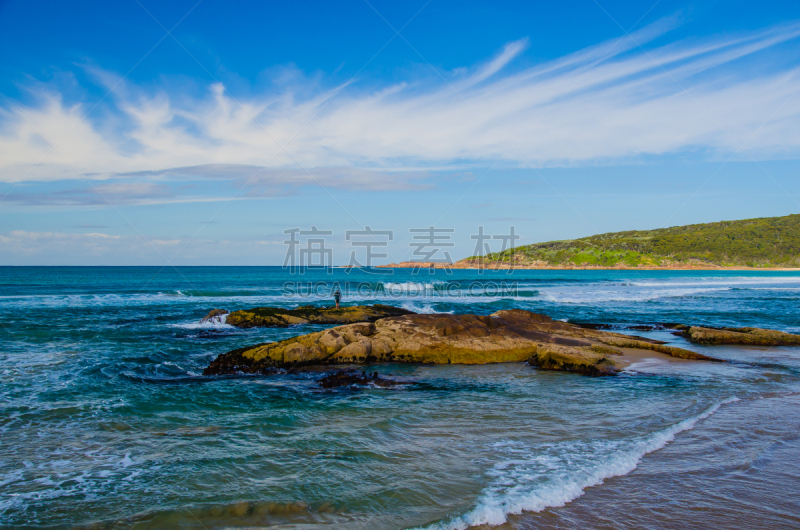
(736, 470)
(632, 359)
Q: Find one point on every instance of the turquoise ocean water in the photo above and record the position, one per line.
(107, 423)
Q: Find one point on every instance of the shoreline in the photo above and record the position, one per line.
(565, 425)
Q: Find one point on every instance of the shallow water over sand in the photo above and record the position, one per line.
(107, 423)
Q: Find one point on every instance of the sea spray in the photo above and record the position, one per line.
(412, 288)
(215, 322)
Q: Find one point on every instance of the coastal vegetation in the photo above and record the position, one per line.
(763, 243)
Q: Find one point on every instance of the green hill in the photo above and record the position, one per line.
(764, 242)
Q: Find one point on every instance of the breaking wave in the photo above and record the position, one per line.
(215, 322)
(622, 295)
(561, 473)
(413, 287)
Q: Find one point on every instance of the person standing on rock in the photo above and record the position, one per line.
(337, 296)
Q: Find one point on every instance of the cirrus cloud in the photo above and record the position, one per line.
(612, 101)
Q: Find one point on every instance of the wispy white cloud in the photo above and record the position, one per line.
(510, 51)
(189, 184)
(612, 101)
(20, 247)
(23, 243)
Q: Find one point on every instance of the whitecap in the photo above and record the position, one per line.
(595, 296)
(424, 309)
(711, 280)
(411, 287)
(215, 322)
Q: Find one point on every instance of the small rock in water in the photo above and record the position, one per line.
(341, 378)
(744, 336)
(239, 509)
(326, 507)
(215, 315)
(263, 508)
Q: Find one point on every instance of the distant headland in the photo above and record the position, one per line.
(763, 243)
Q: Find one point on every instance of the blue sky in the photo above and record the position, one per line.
(124, 144)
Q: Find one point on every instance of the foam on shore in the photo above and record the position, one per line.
(561, 473)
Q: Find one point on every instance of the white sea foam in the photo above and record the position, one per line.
(589, 295)
(133, 300)
(93, 475)
(560, 474)
(422, 308)
(215, 322)
(648, 290)
(628, 290)
(411, 287)
(705, 281)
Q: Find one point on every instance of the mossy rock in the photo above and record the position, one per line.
(743, 336)
(278, 317)
(506, 336)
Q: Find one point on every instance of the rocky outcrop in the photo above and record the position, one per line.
(277, 317)
(744, 336)
(506, 336)
(707, 335)
(593, 360)
(638, 343)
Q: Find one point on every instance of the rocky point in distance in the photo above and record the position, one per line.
(764, 243)
(388, 334)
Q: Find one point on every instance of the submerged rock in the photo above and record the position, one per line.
(744, 336)
(277, 317)
(505, 336)
(635, 327)
(341, 378)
